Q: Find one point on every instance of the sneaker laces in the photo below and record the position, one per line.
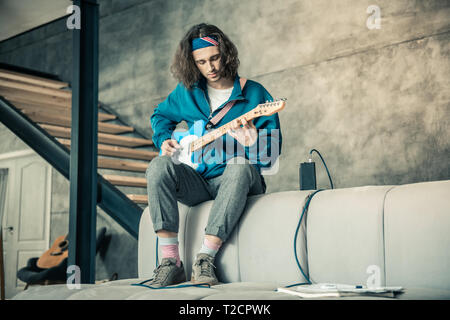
(205, 267)
(162, 271)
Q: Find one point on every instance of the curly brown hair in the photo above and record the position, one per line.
(183, 67)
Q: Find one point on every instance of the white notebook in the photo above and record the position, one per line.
(320, 290)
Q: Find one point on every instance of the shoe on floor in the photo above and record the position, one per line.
(203, 270)
(167, 273)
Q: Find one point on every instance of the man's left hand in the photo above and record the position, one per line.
(245, 134)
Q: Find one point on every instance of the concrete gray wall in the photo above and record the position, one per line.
(375, 103)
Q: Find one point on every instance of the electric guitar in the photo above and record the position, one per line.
(197, 137)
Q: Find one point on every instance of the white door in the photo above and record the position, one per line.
(26, 221)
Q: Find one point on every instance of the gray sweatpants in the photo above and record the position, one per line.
(168, 183)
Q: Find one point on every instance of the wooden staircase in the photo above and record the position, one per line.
(122, 156)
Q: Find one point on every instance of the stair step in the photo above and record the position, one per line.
(20, 95)
(63, 111)
(65, 121)
(126, 180)
(32, 100)
(122, 152)
(124, 165)
(62, 132)
(138, 198)
(6, 83)
(17, 76)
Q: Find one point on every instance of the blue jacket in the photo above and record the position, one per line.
(192, 105)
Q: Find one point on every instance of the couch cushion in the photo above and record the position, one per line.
(417, 226)
(124, 290)
(49, 292)
(248, 291)
(413, 293)
(114, 290)
(345, 234)
(266, 238)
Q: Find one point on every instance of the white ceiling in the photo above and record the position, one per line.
(17, 16)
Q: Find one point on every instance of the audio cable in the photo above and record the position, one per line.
(323, 161)
(304, 211)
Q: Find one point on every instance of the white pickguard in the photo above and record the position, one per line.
(184, 155)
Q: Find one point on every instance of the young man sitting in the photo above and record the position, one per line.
(206, 64)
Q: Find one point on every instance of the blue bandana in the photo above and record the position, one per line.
(204, 42)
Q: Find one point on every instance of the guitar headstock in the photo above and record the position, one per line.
(269, 108)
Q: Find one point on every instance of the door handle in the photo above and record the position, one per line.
(9, 228)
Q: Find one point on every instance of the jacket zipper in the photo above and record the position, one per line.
(210, 111)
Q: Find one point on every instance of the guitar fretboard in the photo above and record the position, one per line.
(267, 109)
(217, 133)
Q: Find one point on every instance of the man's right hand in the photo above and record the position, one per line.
(169, 147)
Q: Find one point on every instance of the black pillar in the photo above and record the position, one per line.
(83, 153)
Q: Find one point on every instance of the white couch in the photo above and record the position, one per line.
(402, 230)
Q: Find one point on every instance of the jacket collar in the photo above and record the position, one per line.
(236, 94)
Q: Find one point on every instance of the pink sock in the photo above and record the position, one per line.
(209, 247)
(171, 251)
(212, 245)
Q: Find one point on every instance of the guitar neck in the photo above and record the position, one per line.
(217, 133)
(263, 109)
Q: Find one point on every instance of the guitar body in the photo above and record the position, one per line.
(55, 255)
(184, 154)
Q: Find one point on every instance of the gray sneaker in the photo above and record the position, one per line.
(203, 270)
(167, 273)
